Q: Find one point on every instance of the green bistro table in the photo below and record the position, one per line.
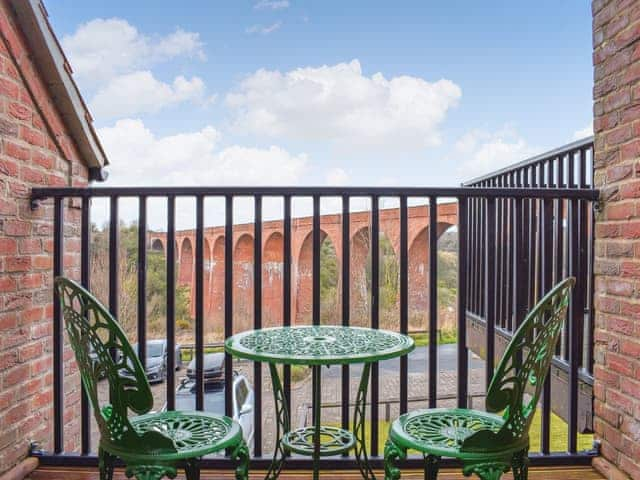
(316, 346)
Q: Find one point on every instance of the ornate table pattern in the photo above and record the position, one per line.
(316, 346)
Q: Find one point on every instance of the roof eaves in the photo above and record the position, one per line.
(56, 72)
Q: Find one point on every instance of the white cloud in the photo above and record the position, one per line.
(338, 103)
(263, 30)
(140, 158)
(482, 152)
(271, 4)
(337, 177)
(583, 132)
(103, 48)
(140, 92)
(193, 158)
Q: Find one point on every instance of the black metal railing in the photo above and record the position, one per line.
(536, 243)
(486, 202)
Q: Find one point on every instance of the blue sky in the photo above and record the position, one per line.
(315, 93)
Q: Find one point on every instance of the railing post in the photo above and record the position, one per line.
(404, 300)
(199, 299)
(489, 288)
(375, 316)
(171, 301)
(228, 301)
(434, 336)
(58, 336)
(462, 302)
(257, 322)
(346, 284)
(85, 279)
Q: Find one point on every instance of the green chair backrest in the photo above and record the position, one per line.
(524, 367)
(102, 350)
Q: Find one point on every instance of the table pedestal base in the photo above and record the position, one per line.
(333, 441)
(317, 440)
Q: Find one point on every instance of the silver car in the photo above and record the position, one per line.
(156, 364)
(241, 395)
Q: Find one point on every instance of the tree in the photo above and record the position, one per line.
(127, 271)
(329, 299)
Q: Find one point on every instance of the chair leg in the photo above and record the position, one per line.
(105, 464)
(192, 469)
(392, 453)
(520, 465)
(431, 466)
(241, 454)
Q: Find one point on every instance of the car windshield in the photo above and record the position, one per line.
(154, 349)
(213, 398)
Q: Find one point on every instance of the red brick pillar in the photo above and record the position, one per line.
(616, 58)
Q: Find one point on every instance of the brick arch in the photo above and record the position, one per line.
(360, 304)
(216, 307)
(418, 271)
(330, 305)
(272, 288)
(208, 268)
(243, 283)
(300, 232)
(389, 272)
(157, 245)
(443, 227)
(304, 279)
(186, 262)
(186, 269)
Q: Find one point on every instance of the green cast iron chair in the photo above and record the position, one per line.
(488, 444)
(152, 445)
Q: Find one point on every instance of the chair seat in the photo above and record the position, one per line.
(193, 434)
(441, 431)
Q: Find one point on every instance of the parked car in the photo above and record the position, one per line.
(213, 366)
(241, 396)
(156, 364)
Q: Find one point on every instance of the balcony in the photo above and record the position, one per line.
(456, 268)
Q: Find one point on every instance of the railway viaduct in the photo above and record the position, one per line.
(302, 258)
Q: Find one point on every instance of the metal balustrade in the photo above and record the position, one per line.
(537, 243)
(495, 219)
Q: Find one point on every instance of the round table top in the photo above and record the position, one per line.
(318, 345)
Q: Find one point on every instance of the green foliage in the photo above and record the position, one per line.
(156, 275)
(389, 272)
(329, 276)
(421, 339)
(157, 294)
(299, 373)
(328, 269)
(447, 278)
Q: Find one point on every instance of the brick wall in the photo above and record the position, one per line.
(35, 150)
(616, 58)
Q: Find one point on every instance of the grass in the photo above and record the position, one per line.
(445, 337)
(187, 354)
(558, 437)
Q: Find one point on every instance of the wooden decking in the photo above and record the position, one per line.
(539, 473)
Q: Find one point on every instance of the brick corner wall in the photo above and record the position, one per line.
(35, 150)
(616, 59)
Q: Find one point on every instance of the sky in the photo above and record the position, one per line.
(291, 92)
